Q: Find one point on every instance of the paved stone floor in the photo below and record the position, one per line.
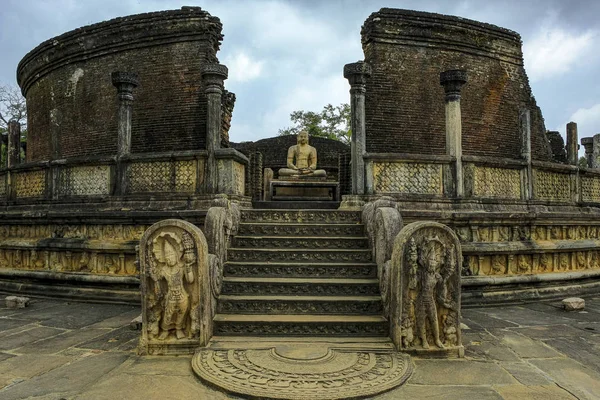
(61, 350)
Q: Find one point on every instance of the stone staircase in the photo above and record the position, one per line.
(300, 273)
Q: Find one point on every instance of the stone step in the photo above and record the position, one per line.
(300, 286)
(300, 242)
(297, 255)
(288, 229)
(338, 305)
(300, 325)
(301, 270)
(302, 216)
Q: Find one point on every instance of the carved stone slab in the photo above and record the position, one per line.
(176, 293)
(337, 374)
(424, 298)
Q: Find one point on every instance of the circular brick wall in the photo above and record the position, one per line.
(72, 104)
(405, 102)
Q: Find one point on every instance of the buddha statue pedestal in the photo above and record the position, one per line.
(303, 189)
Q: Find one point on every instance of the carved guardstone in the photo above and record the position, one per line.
(424, 298)
(176, 293)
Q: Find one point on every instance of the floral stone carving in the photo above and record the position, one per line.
(424, 297)
(176, 292)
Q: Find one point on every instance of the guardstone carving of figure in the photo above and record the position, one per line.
(428, 260)
(302, 160)
(175, 288)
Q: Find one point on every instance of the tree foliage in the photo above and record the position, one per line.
(582, 162)
(12, 107)
(331, 122)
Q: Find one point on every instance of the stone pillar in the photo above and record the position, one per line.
(588, 145)
(357, 74)
(213, 76)
(527, 174)
(572, 145)
(452, 81)
(125, 82)
(13, 148)
(596, 151)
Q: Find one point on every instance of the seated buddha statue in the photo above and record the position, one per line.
(302, 160)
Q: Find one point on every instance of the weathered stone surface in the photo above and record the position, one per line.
(17, 302)
(573, 304)
(573, 376)
(410, 391)
(67, 380)
(60, 342)
(459, 372)
(136, 323)
(526, 374)
(528, 348)
(533, 392)
(31, 335)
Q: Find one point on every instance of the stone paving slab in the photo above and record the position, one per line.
(59, 350)
(546, 392)
(459, 372)
(23, 338)
(572, 376)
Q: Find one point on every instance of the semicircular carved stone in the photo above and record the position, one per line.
(424, 290)
(177, 308)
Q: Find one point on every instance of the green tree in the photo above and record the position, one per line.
(331, 123)
(582, 162)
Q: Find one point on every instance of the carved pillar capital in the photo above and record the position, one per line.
(213, 76)
(452, 81)
(357, 74)
(125, 82)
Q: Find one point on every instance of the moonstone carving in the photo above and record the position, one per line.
(176, 292)
(424, 290)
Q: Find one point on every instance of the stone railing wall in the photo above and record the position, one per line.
(172, 173)
(429, 177)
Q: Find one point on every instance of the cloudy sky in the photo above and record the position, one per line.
(288, 55)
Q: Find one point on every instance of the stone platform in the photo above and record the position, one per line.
(59, 350)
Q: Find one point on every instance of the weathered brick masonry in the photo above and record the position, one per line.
(72, 102)
(405, 102)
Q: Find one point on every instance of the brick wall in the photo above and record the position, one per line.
(69, 91)
(405, 102)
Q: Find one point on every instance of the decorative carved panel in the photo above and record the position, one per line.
(85, 181)
(2, 186)
(491, 182)
(239, 173)
(162, 176)
(551, 186)
(396, 177)
(590, 189)
(30, 183)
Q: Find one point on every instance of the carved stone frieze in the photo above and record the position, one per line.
(30, 184)
(412, 178)
(176, 294)
(424, 299)
(300, 243)
(300, 307)
(299, 329)
(314, 289)
(109, 232)
(489, 182)
(163, 176)
(337, 374)
(297, 271)
(301, 230)
(300, 217)
(590, 189)
(299, 255)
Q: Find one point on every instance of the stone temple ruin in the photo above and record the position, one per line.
(451, 194)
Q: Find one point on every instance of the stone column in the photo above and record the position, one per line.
(452, 81)
(125, 82)
(357, 74)
(213, 76)
(572, 145)
(527, 174)
(588, 145)
(13, 148)
(596, 151)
